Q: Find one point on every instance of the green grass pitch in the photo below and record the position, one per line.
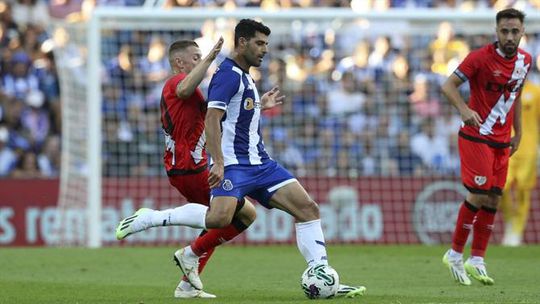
(259, 274)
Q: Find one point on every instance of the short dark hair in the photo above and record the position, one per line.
(247, 28)
(510, 13)
(180, 45)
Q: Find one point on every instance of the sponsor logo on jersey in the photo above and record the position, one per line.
(503, 87)
(497, 73)
(480, 180)
(227, 185)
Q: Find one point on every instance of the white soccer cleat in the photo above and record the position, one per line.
(194, 293)
(477, 270)
(511, 239)
(138, 222)
(190, 267)
(350, 291)
(457, 270)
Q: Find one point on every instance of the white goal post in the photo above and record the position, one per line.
(84, 47)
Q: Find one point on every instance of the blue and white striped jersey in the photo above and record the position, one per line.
(233, 90)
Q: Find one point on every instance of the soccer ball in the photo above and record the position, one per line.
(320, 282)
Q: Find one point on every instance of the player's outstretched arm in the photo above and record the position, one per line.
(186, 87)
(450, 90)
(212, 129)
(516, 139)
(272, 98)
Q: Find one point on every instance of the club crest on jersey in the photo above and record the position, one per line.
(521, 72)
(227, 185)
(249, 104)
(480, 180)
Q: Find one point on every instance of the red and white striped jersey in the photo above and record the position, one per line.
(496, 83)
(183, 125)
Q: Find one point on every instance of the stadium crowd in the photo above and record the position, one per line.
(371, 109)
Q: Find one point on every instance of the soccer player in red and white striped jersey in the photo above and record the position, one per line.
(496, 74)
(183, 110)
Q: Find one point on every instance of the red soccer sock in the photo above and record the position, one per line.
(216, 237)
(483, 226)
(464, 225)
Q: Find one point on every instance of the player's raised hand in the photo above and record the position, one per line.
(215, 176)
(216, 49)
(272, 98)
(470, 117)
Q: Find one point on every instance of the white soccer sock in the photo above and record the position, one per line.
(310, 241)
(455, 255)
(192, 215)
(189, 252)
(185, 286)
(476, 259)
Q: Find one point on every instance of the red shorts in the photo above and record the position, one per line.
(194, 187)
(483, 168)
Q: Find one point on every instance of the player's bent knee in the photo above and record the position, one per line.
(309, 211)
(248, 213)
(218, 220)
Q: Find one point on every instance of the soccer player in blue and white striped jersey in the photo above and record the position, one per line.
(241, 166)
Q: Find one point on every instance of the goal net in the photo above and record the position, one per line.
(365, 127)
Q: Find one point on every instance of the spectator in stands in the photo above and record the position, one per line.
(406, 162)
(357, 63)
(365, 120)
(307, 101)
(45, 71)
(382, 57)
(18, 82)
(396, 86)
(8, 157)
(326, 145)
(35, 119)
(424, 103)
(370, 161)
(31, 12)
(451, 165)
(309, 143)
(448, 121)
(447, 50)
(286, 153)
(344, 98)
(348, 155)
(155, 69)
(18, 138)
(431, 148)
(6, 17)
(27, 167)
(49, 159)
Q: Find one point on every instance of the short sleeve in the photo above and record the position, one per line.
(223, 86)
(175, 80)
(468, 68)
